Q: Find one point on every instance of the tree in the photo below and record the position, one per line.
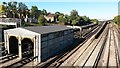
(12, 8)
(22, 10)
(62, 19)
(5, 3)
(38, 12)
(57, 15)
(41, 20)
(117, 19)
(78, 20)
(95, 21)
(33, 11)
(73, 14)
(2, 8)
(86, 20)
(44, 12)
(5, 7)
(67, 19)
(22, 6)
(74, 22)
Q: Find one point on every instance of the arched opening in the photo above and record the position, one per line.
(13, 45)
(27, 47)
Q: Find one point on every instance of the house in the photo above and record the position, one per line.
(50, 18)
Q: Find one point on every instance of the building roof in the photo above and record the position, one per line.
(50, 15)
(20, 32)
(46, 29)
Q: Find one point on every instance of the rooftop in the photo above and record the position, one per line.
(50, 15)
(46, 29)
(20, 32)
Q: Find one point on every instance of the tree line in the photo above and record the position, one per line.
(21, 11)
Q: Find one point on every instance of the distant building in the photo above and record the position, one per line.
(50, 18)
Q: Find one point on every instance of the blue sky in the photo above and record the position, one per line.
(94, 9)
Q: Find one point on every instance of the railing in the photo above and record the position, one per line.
(10, 21)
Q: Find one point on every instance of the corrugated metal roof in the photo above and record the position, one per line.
(46, 29)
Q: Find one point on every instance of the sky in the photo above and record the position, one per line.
(102, 9)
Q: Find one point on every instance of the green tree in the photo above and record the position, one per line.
(117, 19)
(57, 15)
(35, 12)
(22, 10)
(62, 19)
(44, 12)
(38, 12)
(67, 19)
(2, 8)
(34, 9)
(74, 22)
(73, 14)
(12, 8)
(78, 20)
(95, 21)
(41, 20)
(86, 19)
(5, 4)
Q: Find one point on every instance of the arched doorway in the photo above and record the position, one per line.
(27, 47)
(13, 45)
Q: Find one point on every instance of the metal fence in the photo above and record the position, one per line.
(9, 21)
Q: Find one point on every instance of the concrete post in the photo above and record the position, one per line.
(34, 47)
(7, 43)
(39, 48)
(80, 32)
(16, 25)
(20, 48)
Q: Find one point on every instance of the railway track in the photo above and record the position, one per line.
(80, 57)
(59, 60)
(12, 60)
(16, 63)
(103, 51)
(88, 33)
(22, 62)
(110, 56)
(116, 34)
(7, 58)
